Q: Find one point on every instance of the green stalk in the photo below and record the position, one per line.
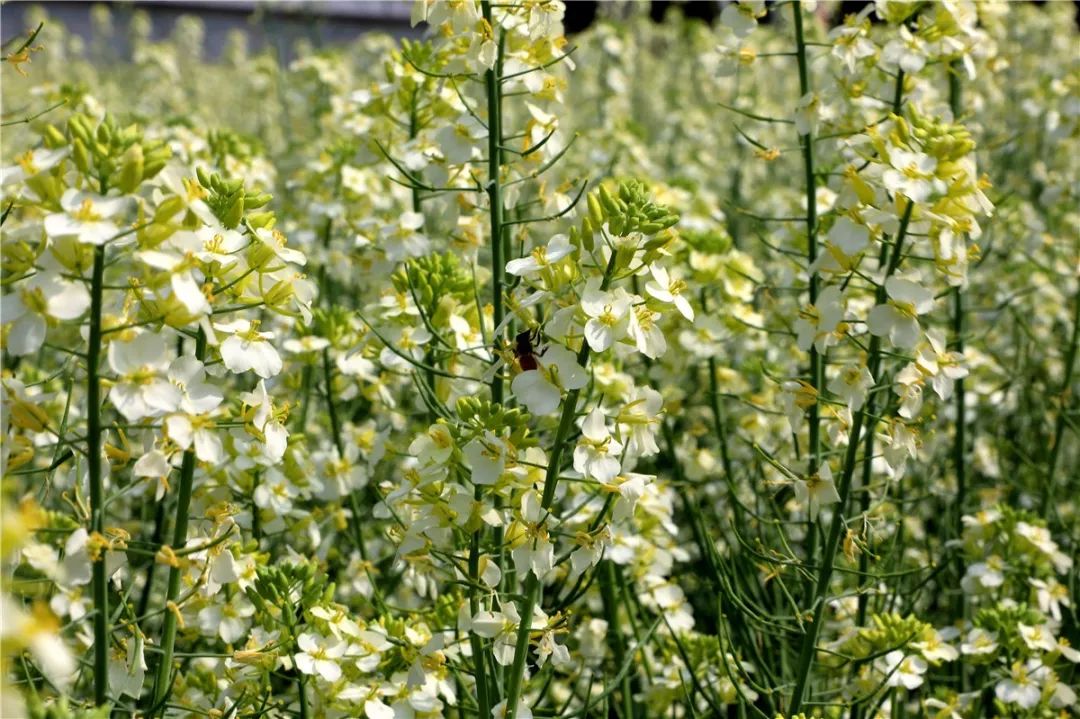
(959, 441)
(832, 543)
(97, 489)
(1059, 428)
(551, 479)
(618, 643)
(162, 683)
(806, 142)
(493, 83)
(960, 437)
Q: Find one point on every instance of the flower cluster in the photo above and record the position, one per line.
(665, 370)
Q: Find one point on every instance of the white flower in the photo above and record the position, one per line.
(434, 446)
(663, 288)
(319, 655)
(541, 389)
(848, 236)
(1019, 687)
(850, 44)
(903, 671)
(597, 452)
(249, 349)
(807, 114)
(376, 709)
(821, 324)
(127, 668)
(45, 296)
(535, 553)
(274, 241)
(1038, 637)
(912, 175)
(184, 286)
(851, 385)
(141, 389)
(230, 620)
(86, 217)
(742, 17)
(608, 314)
(898, 318)
(984, 575)
(936, 649)
(645, 331)
(31, 163)
(908, 52)
(541, 257)
(640, 419)
(458, 140)
(816, 490)
(266, 420)
(1050, 596)
(197, 395)
(979, 641)
(523, 711)
(487, 458)
(199, 432)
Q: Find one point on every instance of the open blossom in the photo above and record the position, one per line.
(248, 349)
(608, 313)
(665, 289)
(912, 175)
(822, 324)
(816, 490)
(898, 319)
(541, 389)
(535, 552)
(597, 453)
(541, 258)
(142, 388)
(903, 671)
(1020, 687)
(487, 457)
(45, 297)
(320, 655)
(87, 217)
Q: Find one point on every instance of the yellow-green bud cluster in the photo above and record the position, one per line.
(117, 156)
(481, 414)
(229, 199)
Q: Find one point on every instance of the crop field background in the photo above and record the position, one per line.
(461, 359)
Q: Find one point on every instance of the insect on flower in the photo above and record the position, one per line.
(525, 349)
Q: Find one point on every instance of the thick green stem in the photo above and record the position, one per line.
(99, 580)
(1063, 397)
(806, 143)
(959, 450)
(608, 584)
(162, 683)
(808, 649)
(493, 81)
(533, 585)
(959, 440)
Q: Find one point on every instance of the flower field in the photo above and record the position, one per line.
(662, 370)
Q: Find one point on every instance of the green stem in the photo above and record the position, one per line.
(809, 644)
(97, 489)
(616, 640)
(493, 84)
(551, 480)
(1064, 395)
(806, 142)
(959, 451)
(162, 683)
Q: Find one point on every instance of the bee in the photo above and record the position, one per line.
(525, 349)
